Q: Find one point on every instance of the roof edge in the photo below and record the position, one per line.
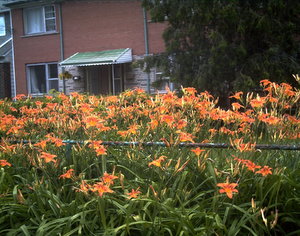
(29, 3)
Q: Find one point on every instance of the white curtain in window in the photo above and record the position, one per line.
(34, 20)
(33, 81)
(2, 26)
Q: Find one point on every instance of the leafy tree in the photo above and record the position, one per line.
(228, 45)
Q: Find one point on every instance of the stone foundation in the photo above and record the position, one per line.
(72, 85)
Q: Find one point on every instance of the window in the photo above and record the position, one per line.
(42, 78)
(39, 19)
(2, 26)
(160, 82)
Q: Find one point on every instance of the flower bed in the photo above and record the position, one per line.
(59, 176)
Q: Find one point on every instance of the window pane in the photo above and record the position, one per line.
(53, 84)
(33, 20)
(49, 12)
(37, 79)
(50, 18)
(50, 25)
(2, 26)
(53, 71)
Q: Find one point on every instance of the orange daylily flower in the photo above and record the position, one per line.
(48, 97)
(271, 99)
(240, 160)
(91, 121)
(236, 106)
(85, 108)
(51, 106)
(265, 82)
(68, 174)
(251, 166)
(206, 95)
(286, 86)
(101, 188)
(101, 150)
(139, 90)
(157, 162)
(84, 187)
(13, 109)
(228, 188)
(168, 119)
(289, 93)
(4, 163)
(226, 131)
(94, 143)
(133, 193)
(101, 127)
(257, 102)
(19, 97)
(185, 137)
(169, 97)
(212, 131)
(48, 157)
(108, 179)
(271, 120)
(237, 95)
(58, 142)
(181, 124)
(265, 171)
(42, 144)
(153, 124)
(39, 103)
(14, 130)
(197, 151)
(62, 96)
(190, 90)
(122, 133)
(133, 128)
(129, 93)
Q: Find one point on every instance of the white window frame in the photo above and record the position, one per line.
(158, 75)
(47, 75)
(44, 26)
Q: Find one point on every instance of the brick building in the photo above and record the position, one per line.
(94, 41)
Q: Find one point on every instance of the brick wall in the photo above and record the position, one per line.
(105, 26)
(87, 27)
(31, 49)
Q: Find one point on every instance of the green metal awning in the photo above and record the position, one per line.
(99, 58)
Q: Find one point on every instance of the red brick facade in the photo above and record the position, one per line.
(87, 27)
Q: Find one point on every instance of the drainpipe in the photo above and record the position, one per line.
(146, 46)
(61, 46)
